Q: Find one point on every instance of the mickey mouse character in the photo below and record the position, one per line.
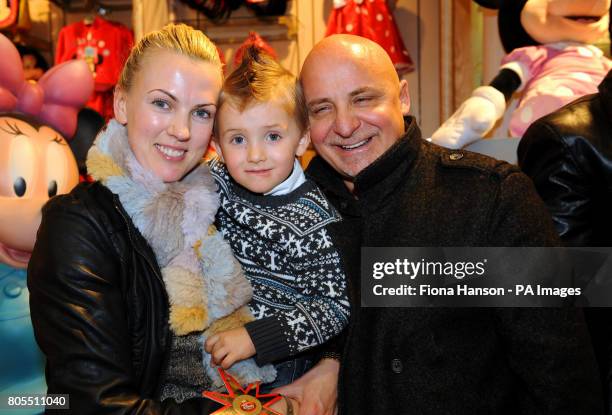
(551, 61)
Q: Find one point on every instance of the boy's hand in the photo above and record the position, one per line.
(229, 347)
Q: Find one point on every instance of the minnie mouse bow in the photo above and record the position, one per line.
(54, 100)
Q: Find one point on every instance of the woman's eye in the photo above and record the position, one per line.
(238, 140)
(274, 137)
(202, 113)
(160, 103)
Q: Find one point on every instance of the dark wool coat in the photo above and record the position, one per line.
(452, 360)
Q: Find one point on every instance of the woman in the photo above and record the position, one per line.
(104, 269)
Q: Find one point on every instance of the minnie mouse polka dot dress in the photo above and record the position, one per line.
(373, 20)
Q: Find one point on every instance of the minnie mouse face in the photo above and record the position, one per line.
(36, 163)
(549, 21)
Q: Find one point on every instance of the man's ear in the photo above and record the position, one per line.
(303, 144)
(120, 105)
(404, 97)
(215, 144)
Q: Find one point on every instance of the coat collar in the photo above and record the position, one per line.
(381, 177)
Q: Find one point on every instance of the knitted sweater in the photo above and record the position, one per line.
(299, 286)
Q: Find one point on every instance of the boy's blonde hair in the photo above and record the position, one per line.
(260, 78)
(179, 38)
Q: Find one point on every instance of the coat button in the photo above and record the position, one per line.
(397, 366)
(343, 205)
(456, 156)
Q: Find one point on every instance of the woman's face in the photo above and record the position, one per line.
(169, 112)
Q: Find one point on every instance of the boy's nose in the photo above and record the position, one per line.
(256, 153)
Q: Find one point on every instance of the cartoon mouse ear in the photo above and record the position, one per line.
(489, 4)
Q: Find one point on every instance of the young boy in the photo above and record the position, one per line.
(276, 222)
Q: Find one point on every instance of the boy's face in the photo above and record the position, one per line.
(259, 145)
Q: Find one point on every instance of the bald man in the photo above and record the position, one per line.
(395, 189)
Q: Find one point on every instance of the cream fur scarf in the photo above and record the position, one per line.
(206, 287)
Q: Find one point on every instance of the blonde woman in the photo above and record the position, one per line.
(118, 287)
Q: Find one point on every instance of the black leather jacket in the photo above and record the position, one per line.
(100, 309)
(568, 154)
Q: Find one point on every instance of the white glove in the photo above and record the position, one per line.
(474, 118)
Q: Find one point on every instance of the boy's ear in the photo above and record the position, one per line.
(303, 144)
(215, 144)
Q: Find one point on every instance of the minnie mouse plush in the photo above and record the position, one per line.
(551, 61)
(36, 120)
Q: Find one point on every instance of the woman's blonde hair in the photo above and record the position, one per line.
(179, 38)
(260, 78)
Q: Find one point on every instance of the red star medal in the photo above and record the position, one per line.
(242, 401)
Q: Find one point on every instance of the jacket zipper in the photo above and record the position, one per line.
(159, 278)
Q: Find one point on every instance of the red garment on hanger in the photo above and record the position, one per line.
(105, 46)
(373, 20)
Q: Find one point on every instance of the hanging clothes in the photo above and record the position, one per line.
(373, 20)
(105, 46)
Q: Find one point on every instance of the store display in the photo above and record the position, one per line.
(105, 46)
(373, 20)
(8, 13)
(268, 7)
(36, 120)
(216, 10)
(551, 61)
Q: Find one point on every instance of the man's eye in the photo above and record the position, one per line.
(319, 110)
(160, 103)
(274, 137)
(363, 99)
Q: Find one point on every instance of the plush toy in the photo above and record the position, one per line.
(36, 163)
(551, 61)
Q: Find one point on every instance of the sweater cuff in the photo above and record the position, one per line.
(268, 339)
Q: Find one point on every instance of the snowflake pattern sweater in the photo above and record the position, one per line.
(299, 286)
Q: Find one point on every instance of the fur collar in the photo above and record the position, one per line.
(175, 219)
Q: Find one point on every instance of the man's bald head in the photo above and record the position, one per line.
(356, 102)
(354, 49)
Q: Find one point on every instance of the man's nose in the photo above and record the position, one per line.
(179, 128)
(346, 123)
(256, 152)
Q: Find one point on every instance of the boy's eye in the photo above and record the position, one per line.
(160, 103)
(274, 137)
(238, 140)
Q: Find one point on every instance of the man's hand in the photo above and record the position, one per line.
(317, 390)
(229, 347)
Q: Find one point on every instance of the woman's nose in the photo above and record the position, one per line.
(179, 129)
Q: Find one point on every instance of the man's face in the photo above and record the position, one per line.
(355, 108)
